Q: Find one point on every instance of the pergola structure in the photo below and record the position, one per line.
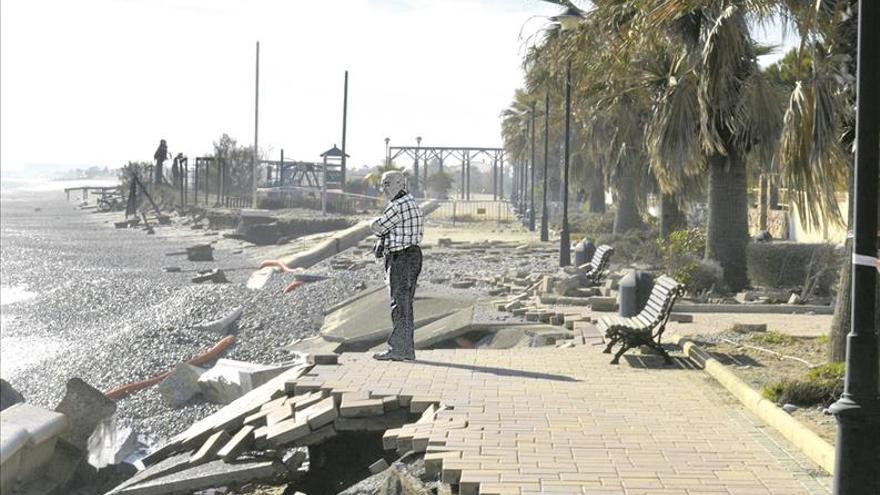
(464, 155)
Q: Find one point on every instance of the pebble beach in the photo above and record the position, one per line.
(82, 299)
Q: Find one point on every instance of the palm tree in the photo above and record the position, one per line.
(711, 106)
(819, 129)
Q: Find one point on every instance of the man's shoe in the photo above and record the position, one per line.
(388, 356)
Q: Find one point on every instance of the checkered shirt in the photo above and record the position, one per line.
(401, 222)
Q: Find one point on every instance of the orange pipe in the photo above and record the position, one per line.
(211, 354)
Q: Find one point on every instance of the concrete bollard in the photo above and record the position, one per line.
(635, 289)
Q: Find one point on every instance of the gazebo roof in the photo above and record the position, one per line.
(333, 152)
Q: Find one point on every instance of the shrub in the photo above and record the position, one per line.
(633, 247)
(705, 275)
(682, 254)
(593, 225)
(821, 385)
(788, 265)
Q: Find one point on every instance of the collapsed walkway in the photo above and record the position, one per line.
(550, 420)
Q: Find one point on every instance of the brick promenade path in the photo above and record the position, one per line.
(549, 420)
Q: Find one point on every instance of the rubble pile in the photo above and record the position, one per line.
(265, 434)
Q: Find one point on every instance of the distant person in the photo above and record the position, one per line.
(160, 156)
(400, 229)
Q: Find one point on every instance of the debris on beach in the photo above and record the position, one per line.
(215, 275)
(8, 395)
(45, 452)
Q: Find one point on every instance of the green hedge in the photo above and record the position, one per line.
(784, 265)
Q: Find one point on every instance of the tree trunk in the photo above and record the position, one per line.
(727, 234)
(774, 193)
(597, 191)
(627, 217)
(841, 323)
(762, 203)
(671, 216)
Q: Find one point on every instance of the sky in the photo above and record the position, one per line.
(99, 82)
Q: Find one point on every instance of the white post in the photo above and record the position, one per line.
(324, 188)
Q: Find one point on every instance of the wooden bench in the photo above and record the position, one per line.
(647, 327)
(595, 268)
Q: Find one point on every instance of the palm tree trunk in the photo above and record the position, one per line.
(774, 193)
(727, 233)
(762, 203)
(841, 323)
(597, 191)
(671, 216)
(627, 217)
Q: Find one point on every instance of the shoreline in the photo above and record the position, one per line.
(104, 310)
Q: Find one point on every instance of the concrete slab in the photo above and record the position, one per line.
(230, 379)
(213, 474)
(43, 427)
(182, 385)
(446, 328)
(360, 325)
(13, 439)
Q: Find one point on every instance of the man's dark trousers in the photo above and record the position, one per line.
(402, 269)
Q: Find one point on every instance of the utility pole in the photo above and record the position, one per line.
(857, 452)
(344, 121)
(256, 157)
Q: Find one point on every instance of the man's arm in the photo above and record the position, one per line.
(382, 225)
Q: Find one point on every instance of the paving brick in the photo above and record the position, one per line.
(237, 444)
(288, 431)
(208, 450)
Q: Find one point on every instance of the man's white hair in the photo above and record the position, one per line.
(393, 182)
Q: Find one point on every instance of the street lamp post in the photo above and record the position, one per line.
(545, 232)
(532, 193)
(568, 21)
(387, 152)
(858, 410)
(564, 241)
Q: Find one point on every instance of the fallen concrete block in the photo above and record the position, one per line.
(216, 276)
(43, 428)
(110, 444)
(13, 441)
(200, 252)
(210, 475)
(181, 385)
(222, 325)
(8, 395)
(230, 379)
(258, 279)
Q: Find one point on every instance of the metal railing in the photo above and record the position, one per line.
(474, 211)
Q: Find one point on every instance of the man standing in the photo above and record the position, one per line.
(400, 229)
(160, 156)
